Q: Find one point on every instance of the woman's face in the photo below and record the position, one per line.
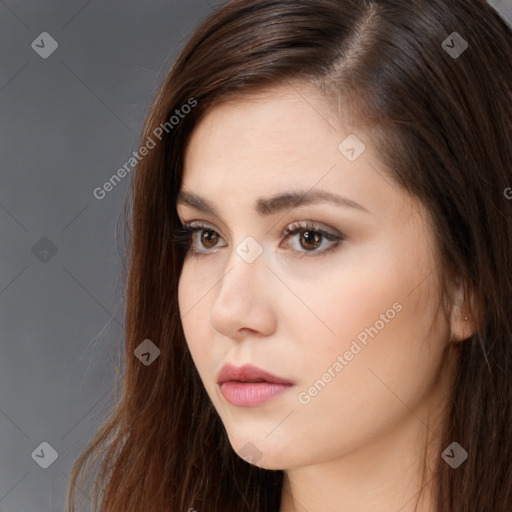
(346, 322)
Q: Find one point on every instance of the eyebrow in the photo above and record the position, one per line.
(276, 203)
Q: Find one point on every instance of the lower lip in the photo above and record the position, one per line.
(248, 394)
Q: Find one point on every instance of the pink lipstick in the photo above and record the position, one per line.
(248, 385)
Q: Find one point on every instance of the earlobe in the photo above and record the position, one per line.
(462, 329)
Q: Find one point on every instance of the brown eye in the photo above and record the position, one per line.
(209, 238)
(308, 238)
(312, 240)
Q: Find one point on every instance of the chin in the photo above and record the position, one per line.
(264, 454)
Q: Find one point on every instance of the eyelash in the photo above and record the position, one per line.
(183, 236)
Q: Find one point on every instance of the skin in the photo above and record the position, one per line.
(357, 445)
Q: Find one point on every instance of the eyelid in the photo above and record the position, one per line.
(318, 226)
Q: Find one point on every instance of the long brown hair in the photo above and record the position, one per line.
(438, 108)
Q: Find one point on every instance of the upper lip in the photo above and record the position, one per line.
(246, 373)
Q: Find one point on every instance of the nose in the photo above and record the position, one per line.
(244, 304)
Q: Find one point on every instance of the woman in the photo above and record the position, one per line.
(320, 270)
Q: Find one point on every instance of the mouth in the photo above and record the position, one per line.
(248, 385)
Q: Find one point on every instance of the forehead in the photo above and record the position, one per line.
(279, 134)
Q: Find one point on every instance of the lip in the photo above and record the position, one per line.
(237, 390)
(246, 373)
(250, 394)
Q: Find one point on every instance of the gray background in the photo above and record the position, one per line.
(68, 122)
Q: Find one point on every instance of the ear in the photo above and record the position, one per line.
(462, 322)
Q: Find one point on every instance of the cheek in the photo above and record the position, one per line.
(351, 393)
(193, 317)
(348, 299)
(379, 349)
(194, 304)
(192, 294)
